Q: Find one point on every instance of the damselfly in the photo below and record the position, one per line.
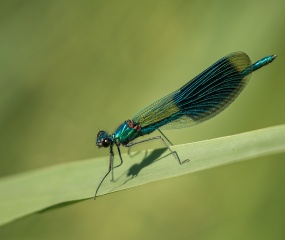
(198, 100)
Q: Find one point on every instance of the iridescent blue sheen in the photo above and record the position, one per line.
(198, 100)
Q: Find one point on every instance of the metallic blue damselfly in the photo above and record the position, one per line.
(198, 100)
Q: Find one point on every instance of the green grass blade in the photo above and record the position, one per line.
(34, 191)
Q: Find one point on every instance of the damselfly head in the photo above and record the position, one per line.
(103, 140)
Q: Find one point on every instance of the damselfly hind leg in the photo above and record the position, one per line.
(174, 153)
(186, 160)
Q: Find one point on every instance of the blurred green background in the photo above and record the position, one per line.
(68, 68)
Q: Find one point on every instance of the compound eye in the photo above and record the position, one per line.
(106, 142)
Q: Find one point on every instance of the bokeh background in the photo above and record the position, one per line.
(68, 68)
